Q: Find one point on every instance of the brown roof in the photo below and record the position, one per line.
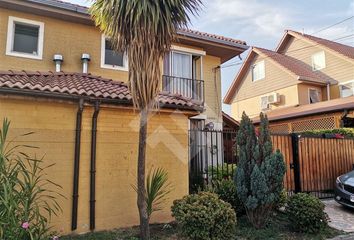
(300, 70)
(211, 36)
(230, 120)
(297, 67)
(342, 49)
(82, 85)
(310, 109)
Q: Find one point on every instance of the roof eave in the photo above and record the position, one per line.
(71, 97)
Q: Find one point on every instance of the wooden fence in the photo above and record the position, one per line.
(319, 161)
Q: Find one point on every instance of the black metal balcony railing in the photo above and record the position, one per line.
(190, 88)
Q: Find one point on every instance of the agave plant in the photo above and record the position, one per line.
(157, 189)
(26, 203)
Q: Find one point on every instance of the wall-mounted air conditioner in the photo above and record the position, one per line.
(274, 98)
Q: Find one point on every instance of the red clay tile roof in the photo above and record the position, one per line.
(300, 69)
(334, 105)
(345, 50)
(79, 84)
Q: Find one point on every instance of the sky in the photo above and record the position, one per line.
(262, 23)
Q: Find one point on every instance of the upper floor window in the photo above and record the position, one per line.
(347, 89)
(25, 38)
(258, 71)
(318, 61)
(314, 96)
(112, 59)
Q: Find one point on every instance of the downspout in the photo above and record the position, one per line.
(328, 91)
(93, 166)
(76, 165)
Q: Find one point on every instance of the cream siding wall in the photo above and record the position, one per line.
(252, 106)
(338, 68)
(117, 138)
(275, 78)
(303, 91)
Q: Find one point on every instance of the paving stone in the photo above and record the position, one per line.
(340, 218)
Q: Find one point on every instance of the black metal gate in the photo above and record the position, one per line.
(212, 155)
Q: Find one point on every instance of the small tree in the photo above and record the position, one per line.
(260, 172)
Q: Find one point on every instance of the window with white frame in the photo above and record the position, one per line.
(318, 61)
(347, 89)
(25, 38)
(258, 71)
(314, 95)
(112, 59)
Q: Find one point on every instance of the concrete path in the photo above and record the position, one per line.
(339, 217)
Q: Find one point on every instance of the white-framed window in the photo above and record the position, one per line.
(111, 59)
(318, 61)
(258, 71)
(25, 38)
(314, 95)
(347, 89)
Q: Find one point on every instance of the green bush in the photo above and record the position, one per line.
(226, 190)
(222, 171)
(348, 132)
(26, 204)
(204, 216)
(282, 199)
(306, 213)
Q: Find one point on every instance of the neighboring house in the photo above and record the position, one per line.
(302, 70)
(60, 78)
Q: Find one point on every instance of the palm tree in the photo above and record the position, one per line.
(144, 29)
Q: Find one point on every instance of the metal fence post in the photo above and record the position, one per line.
(296, 162)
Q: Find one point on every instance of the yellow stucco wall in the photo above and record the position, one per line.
(72, 39)
(117, 138)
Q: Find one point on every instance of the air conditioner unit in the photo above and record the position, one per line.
(274, 98)
(264, 103)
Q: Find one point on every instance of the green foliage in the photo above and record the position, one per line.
(306, 213)
(222, 171)
(204, 216)
(26, 203)
(157, 189)
(226, 190)
(348, 132)
(282, 200)
(260, 172)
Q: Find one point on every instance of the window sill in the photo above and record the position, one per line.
(24, 55)
(117, 68)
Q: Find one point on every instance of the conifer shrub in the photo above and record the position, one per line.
(306, 213)
(204, 216)
(260, 171)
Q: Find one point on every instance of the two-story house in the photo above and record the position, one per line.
(306, 83)
(60, 78)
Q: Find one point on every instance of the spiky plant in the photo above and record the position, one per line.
(144, 29)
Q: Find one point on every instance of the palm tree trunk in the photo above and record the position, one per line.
(144, 219)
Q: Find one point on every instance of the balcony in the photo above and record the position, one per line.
(189, 88)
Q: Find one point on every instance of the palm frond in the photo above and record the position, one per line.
(144, 29)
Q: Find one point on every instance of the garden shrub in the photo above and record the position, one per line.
(306, 213)
(348, 132)
(204, 216)
(26, 204)
(282, 200)
(222, 171)
(226, 190)
(260, 171)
